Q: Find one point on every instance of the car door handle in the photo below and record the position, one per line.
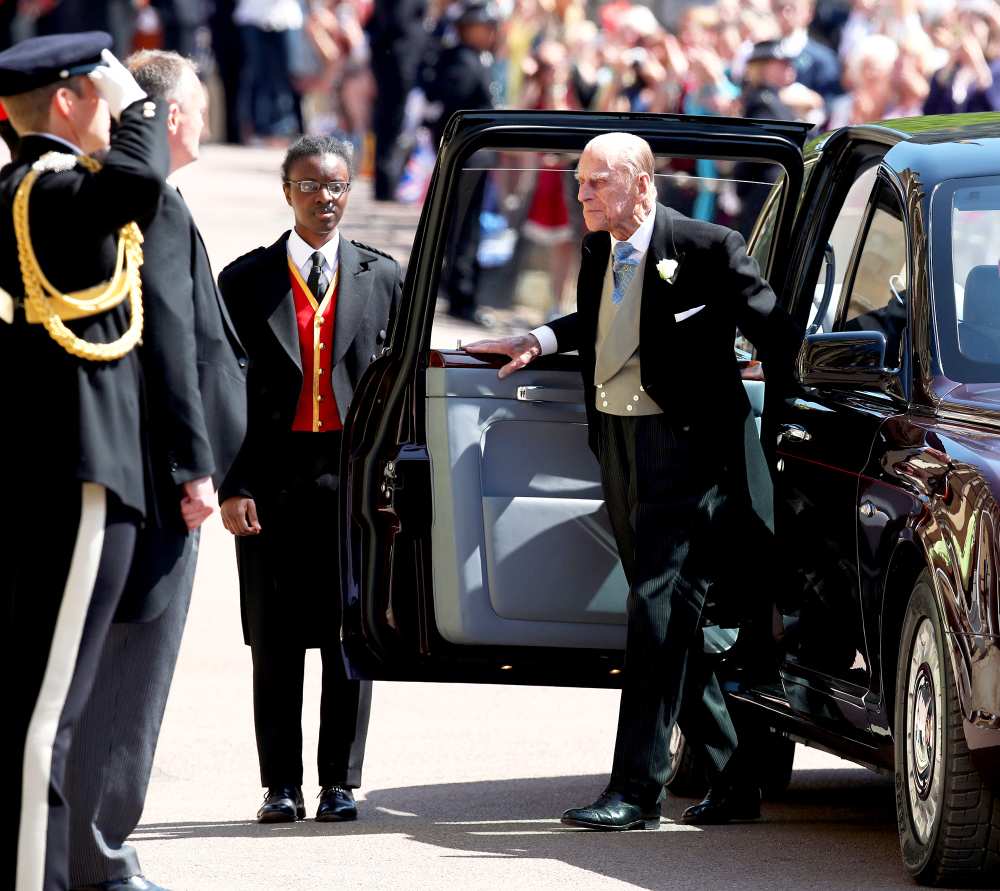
(549, 394)
(793, 433)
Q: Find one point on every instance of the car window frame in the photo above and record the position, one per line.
(901, 374)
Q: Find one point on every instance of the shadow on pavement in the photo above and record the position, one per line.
(833, 829)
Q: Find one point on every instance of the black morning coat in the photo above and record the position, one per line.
(195, 373)
(689, 367)
(67, 419)
(257, 290)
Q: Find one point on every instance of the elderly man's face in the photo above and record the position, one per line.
(608, 194)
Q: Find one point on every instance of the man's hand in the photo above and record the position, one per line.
(198, 502)
(239, 516)
(115, 84)
(523, 349)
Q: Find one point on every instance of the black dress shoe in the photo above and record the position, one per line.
(613, 812)
(723, 805)
(336, 805)
(282, 804)
(132, 883)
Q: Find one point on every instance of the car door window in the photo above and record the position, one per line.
(877, 298)
(829, 283)
(513, 241)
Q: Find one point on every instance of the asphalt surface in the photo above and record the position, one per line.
(463, 784)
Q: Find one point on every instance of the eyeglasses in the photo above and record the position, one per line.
(310, 186)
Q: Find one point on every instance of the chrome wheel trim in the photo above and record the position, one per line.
(924, 732)
(674, 749)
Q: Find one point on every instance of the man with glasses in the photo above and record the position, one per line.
(313, 311)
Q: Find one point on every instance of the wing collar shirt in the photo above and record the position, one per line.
(640, 244)
(301, 255)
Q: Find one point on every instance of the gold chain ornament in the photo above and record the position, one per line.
(44, 304)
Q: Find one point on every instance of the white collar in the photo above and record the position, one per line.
(74, 148)
(301, 252)
(641, 237)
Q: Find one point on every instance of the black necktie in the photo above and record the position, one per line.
(315, 282)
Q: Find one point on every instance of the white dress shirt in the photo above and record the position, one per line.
(269, 15)
(640, 244)
(301, 255)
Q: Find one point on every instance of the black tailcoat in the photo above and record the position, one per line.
(689, 367)
(195, 389)
(257, 290)
(67, 417)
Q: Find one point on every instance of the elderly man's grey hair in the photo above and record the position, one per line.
(628, 152)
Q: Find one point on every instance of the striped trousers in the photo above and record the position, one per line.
(64, 557)
(111, 760)
(665, 498)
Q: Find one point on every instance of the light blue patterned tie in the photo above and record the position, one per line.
(623, 270)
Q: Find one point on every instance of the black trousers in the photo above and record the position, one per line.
(278, 674)
(394, 67)
(460, 272)
(665, 498)
(292, 604)
(64, 553)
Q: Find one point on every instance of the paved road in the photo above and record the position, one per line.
(463, 783)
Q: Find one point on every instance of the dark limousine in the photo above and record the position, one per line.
(478, 548)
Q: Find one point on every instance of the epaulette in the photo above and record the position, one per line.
(374, 250)
(243, 259)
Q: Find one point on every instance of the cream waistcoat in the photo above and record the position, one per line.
(616, 373)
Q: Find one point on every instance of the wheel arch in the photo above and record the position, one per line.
(909, 559)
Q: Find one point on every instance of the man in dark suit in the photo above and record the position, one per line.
(196, 396)
(462, 78)
(397, 37)
(70, 390)
(313, 310)
(682, 468)
(816, 65)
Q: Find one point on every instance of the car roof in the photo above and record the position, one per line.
(937, 147)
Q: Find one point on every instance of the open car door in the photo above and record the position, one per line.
(476, 544)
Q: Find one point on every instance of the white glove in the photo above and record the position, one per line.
(115, 84)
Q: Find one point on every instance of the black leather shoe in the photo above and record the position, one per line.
(613, 812)
(282, 804)
(336, 805)
(723, 805)
(132, 883)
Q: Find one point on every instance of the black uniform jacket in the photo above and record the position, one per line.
(67, 418)
(460, 79)
(257, 289)
(195, 369)
(689, 367)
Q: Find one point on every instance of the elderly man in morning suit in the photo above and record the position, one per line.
(681, 466)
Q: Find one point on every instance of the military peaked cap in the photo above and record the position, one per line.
(40, 61)
(767, 50)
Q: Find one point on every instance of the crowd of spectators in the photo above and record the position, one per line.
(355, 66)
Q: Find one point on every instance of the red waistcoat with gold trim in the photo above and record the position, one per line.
(316, 411)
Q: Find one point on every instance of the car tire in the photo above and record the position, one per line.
(948, 819)
(688, 773)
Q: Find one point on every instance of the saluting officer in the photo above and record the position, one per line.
(71, 449)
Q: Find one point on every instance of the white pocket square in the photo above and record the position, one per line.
(681, 316)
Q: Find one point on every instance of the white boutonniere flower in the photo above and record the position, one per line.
(667, 270)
